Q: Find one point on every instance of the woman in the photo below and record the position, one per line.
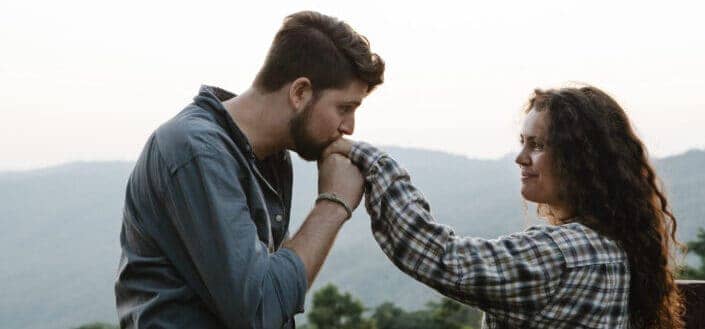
(604, 262)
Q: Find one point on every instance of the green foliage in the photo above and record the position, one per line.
(453, 315)
(97, 325)
(332, 309)
(696, 247)
(387, 315)
(413, 320)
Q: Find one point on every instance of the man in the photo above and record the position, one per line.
(205, 227)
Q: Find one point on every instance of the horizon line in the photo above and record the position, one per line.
(59, 164)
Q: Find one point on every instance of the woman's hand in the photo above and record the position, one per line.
(341, 146)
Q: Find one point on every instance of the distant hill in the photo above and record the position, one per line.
(60, 231)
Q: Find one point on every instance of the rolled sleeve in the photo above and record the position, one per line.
(511, 277)
(365, 156)
(236, 276)
(288, 263)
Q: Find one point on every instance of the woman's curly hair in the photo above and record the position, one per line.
(607, 178)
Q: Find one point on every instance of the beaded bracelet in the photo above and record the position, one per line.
(335, 198)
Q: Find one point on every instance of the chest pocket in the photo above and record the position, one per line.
(258, 210)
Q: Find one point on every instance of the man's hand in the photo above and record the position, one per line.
(341, 146)
(336, 174)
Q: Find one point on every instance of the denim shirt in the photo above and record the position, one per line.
(202, 225)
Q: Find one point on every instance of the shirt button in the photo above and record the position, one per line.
(278, 218)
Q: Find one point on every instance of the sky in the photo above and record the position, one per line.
(90, 80)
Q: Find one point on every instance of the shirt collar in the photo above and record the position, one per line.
(211, 98)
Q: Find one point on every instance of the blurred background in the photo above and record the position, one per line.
(83, 83)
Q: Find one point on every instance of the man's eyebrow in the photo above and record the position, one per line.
(352, 102)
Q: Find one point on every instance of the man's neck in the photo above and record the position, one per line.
(262, 119)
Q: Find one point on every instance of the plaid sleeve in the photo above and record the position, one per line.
(510, 277)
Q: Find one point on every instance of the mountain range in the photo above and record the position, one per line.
(61, 226)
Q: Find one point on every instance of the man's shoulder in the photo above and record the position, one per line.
(191, 133)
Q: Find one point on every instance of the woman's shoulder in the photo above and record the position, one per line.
(581, 245)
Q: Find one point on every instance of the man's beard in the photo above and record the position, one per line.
(306, 147)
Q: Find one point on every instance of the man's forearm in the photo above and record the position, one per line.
(316, 236)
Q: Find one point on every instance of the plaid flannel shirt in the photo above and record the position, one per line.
(565, 276)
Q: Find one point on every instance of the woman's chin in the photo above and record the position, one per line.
(529, 196)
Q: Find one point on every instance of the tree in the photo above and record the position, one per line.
(334, 310)
(445, 314)
(386, 315)
(422, 319)
(698, 248)
(454, 315)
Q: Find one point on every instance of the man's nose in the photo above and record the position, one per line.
(347, 126)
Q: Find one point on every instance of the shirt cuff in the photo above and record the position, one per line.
(296, 288)
(365, 156)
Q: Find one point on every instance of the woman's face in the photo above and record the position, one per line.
(539, 182)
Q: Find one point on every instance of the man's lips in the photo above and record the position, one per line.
(527, 175)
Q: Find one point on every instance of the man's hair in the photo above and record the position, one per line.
(321, 48)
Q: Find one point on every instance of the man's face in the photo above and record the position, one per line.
(326, 118)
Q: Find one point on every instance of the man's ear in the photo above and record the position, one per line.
(300, 93)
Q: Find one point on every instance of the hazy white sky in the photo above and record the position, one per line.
(90, 80)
